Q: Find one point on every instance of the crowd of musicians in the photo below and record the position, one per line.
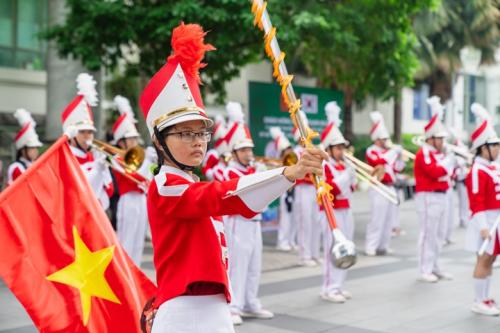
(201, 229)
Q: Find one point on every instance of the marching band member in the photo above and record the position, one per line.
(132, 213)
(432, 175)
(342, 178)
(388, 162)
(27, 144)
(78, 124)
(287, 231)
(245, 234)
(189, 245)
(483, 188)
(307, 214)
(214, 164)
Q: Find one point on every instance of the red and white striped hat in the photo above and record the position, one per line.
(27, 136)
(435, 127)
(378, 130)
(78, 113)
(238, 135)
(281, 142)
(331, 135)
(124, 126)
(484, 132)
(218, 134)
(173, 94)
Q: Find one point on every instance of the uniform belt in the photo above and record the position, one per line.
(439, 191)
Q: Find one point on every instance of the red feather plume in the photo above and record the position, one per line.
(189, 48)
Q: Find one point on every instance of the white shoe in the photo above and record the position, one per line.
(260, 314)
(388, 251)
(319, 261)
(346, 294)
(370, 253)
(485, 308)
(333, 297)
(431, 278)
(443, 276)
(284, 248)
(237, 320)
(308, 263)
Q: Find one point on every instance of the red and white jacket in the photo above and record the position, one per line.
(483, 189)
(98, 175)
(376, 156)
(16, 169)
(187, 229)
(342, 179)
(432, 174)
(211, 160)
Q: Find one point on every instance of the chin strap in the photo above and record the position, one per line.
(160, 138)
(238, 159)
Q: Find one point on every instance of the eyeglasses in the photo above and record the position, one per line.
(189, 136)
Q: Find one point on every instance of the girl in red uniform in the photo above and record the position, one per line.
(190, 252)
(483, 188)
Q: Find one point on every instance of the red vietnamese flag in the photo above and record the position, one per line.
(60, 256)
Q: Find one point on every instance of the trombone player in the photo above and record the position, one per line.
(78, 125)
(132, 216)
(432, 175)
(387, 162)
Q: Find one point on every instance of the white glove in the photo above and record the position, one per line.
(99, 161)
(398, 149)
(71, 132)
(151, 155)
(449, 163)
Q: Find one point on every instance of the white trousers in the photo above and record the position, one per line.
(131, 224)
(396, 223)
(431, 210)
(450, 214)
(463, 204)
(287, 231)
(378, 230)
(334, 278)
(194, 314)
(245, 262)
(308, 222)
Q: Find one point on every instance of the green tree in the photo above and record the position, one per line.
(364, 47)
(442, 33)
(96, 32)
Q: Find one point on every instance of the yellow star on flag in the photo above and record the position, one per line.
(86, 274)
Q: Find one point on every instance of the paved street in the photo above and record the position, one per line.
(386, 295)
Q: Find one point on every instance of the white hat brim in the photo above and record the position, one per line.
(184, 118)
(85, 127)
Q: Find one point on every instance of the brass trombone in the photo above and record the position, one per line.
(287, 160)
(366, 172)
(132, 159)
(408, 155)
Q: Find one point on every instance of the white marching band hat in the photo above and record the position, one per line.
(173, 94)
(78, 114)
(435, 127)
(331, 135)
(124, 126)
(484, 132)
(280, 140)
(238, 135)
(378, 129)
(27, 136)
